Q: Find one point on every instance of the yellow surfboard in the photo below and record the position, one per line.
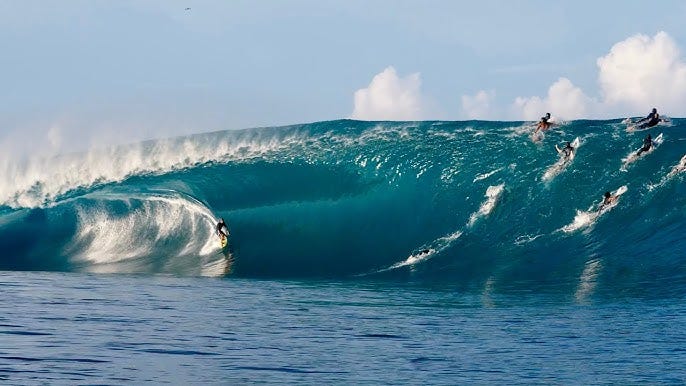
(224, 241)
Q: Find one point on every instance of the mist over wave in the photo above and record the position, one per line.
(460, 202)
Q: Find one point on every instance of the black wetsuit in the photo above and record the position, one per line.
(651, 120)
(647, 144)
(220, 228)
(567, 150)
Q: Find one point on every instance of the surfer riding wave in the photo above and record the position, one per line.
(221, 229)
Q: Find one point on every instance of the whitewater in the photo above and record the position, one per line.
(473, 203)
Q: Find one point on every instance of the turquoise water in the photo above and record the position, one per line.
(83, 329)
(366, 252)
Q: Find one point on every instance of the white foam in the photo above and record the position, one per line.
(448, 174)
(486, 175)
(492, 195)
(427, 251)
(556, 169)
(581, 220)
(633, 156)
(524, 129)
(525, 239)
(587, 218)
(148, 224)
(37, 181)
(588, 280)
(678, 168)
(561, 163)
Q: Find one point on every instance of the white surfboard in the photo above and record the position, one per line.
(621, 190)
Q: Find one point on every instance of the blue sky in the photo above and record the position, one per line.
(115, 71)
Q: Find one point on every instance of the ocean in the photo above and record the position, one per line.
(360, 252)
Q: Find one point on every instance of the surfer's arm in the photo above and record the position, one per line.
(559, 151)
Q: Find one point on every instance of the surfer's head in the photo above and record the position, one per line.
(547, 115)
(569, 144)
(654, 110)
(607, 194)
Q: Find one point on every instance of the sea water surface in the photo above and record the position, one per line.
(85, 329)
(360, 252)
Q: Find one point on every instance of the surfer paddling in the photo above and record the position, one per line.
(647, 144)
(608, 199)
(651, 120)
(543, 124)
(678, 168)
(565, 151)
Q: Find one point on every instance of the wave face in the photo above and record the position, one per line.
(462, 202)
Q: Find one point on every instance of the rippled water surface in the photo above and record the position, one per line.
(76, 328)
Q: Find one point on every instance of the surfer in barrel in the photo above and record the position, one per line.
(221, 229)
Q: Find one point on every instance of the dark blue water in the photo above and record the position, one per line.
(83, 329)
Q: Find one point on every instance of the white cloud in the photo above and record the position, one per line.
(642, 72)
(478, 106)
(637, 74)
(389, 97)
(564, 101)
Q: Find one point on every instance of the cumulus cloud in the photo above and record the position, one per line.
(637, 74)
(479, 106)
(641, 72)
(564, 101)
(389, 97)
